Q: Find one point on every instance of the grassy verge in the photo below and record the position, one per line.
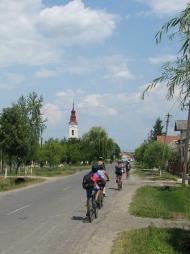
(153, 240)
(153, 174)
(59, 171)
(17, 182)
(161, 202)
(50, 172)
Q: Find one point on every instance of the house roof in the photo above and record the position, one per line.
(180, 125)
(167, 139)
(126, 154)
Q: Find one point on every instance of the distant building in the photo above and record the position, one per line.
(181, 126)
(73, 125)
(171, 141)
(126, 156)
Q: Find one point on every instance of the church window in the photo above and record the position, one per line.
(73, 132)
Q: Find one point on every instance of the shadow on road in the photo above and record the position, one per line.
(113, 188)
(80, 218)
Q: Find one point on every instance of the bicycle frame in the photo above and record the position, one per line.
(92, 211)
(119, 181)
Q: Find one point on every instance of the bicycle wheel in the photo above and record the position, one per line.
(119, 184)
(95, 208)
(90, 211)
(100, 200)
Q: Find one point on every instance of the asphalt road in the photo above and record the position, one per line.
(49, 218)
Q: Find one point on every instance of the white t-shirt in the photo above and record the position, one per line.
(102, 173)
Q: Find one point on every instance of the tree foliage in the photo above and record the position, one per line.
(96, 143)
(19, 129)
(176, 74)
(151, 154)
(157, 129)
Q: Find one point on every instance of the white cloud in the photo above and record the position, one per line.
(75, 23)
(126, 117)
(162, 59)
(91, 104)
(10, 81)
(53, 113)
(113, 104)
(119, 72)
(113, 67)
(34, 34)
(45, 73)
(165, 6)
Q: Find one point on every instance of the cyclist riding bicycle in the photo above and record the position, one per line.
(127, 167)
(119, 171)
(102, 171)
(90, 182)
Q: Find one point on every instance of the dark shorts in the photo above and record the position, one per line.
(118, 173)
(90, 192)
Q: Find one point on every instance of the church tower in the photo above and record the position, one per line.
(73, 125)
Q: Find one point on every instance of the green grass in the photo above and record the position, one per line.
(50, 172)
(152, 240)
(16, 182)
(59, 171)
(161, 202)
(153, 174)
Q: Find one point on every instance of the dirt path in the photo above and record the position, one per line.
(118, 219)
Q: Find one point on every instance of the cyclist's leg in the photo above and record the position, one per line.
(88, 196)
(104, 190)
(119, 181)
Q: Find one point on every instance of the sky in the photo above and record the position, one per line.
(100, 54)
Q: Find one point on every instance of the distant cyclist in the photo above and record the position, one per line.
(127, 168)
(119, 173)
(102, 171)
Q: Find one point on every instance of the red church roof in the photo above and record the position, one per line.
(73, 118)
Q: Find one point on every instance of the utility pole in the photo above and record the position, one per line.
(167, 123)
(166, 132)
(185, 167)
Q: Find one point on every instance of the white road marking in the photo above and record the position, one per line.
(67, 188)
(19, 209)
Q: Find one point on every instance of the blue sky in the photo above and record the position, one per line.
(98, 53)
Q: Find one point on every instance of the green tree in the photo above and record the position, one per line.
(73, 152)
(153, 155)
(176, 74)
(14, 135)
(157, 129)
(139, 152)
(51, 152)
(96, 143)
(31, 107)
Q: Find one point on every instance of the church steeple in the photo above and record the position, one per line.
(73, 124)
(73, 118)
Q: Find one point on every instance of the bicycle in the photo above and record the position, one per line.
(119, 182)
(92, 211)
(100, 195)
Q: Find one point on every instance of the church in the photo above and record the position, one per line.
(73, 125)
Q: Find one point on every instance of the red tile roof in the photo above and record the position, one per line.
(167, 139)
